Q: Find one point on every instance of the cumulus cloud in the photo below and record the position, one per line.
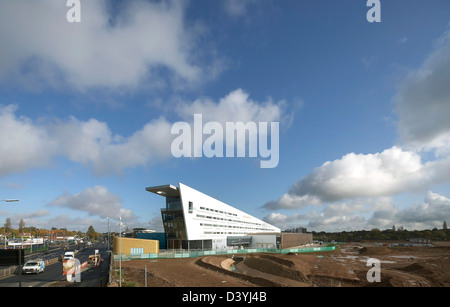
(369, 213)
(234, 107)
(108, 49)
(432, 212)
(393, 171)
(234, 121)
(291, 201)
(27, 144)
(423, 102)
(96, 201)
(24, 144)
(93, 144)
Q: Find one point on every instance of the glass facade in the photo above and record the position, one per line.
(173, 203)
(173, 221)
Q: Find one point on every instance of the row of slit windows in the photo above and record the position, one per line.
(228, 220)
(191, 208)
(214, 210)
(222, 233)
(239, 227)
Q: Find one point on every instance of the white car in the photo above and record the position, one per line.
(33, 266)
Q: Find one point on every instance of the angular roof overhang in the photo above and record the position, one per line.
(167, 190)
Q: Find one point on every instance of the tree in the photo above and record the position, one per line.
(375, 234)
(8, 227)
(21, 225)
(91, 233)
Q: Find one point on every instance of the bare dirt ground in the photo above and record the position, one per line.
(344, 267)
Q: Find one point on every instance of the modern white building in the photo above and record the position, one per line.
(193, 220)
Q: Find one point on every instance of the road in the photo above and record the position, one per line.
(53, 273)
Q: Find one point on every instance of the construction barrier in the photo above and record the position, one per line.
(194, 254)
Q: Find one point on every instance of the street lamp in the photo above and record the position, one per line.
(120, 251)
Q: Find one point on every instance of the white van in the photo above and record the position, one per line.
(69, 255)
(33, 266)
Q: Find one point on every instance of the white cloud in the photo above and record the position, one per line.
(39, 46)
(393, 171)
(93, 144)
(251, 120)
(23, 143)
(431, 213)
(423, 102)
(369, 213)
(290, 201)
(234, 107)
(26, 144)
(285, 222)
(96, 201)
(423, 106)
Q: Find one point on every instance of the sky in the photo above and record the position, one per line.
(88, 108)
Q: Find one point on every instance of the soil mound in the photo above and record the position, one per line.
(369, 251)
(275, 266)
(205, 262)
(411, 268)
(418, 269)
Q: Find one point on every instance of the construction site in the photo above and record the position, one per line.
(348, 265)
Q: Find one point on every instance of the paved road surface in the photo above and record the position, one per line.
(53, 274)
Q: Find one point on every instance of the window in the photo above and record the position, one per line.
(137, 251)
(191, 206)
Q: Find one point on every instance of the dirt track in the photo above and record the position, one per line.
(346, 267)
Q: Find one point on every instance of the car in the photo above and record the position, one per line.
(33, 266)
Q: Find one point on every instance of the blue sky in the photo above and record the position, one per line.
(86, 110)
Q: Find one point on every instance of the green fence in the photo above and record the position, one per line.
(194, 254)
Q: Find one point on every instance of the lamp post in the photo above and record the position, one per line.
(107, 240)
(120, 251)
(4, 233)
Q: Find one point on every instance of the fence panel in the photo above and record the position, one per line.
(195, 254)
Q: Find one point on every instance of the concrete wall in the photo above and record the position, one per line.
(149, 246)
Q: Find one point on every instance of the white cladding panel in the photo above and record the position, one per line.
(208, 218)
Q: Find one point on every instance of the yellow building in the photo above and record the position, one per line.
(131, 246)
